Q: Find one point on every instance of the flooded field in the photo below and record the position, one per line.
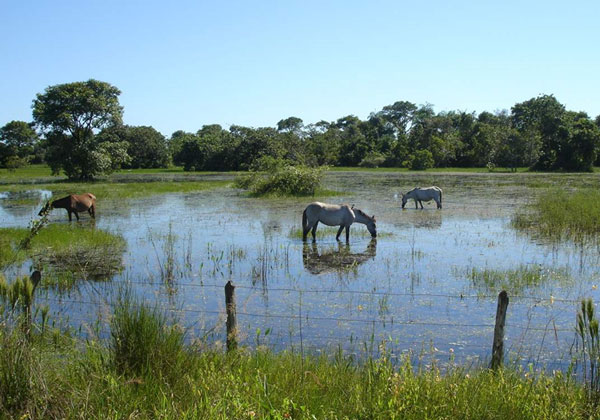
(428, 283)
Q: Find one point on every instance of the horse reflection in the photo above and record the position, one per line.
(335, 260)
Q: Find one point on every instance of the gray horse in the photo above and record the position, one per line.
(423, 194)
(334, 215)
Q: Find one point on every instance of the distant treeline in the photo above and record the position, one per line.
(539, 133)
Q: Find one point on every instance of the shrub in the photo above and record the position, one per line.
(420, 160)
(281, 178)
(372, 160)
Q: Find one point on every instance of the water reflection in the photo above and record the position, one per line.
(335, 260)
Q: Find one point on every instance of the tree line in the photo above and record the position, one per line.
(77, 128)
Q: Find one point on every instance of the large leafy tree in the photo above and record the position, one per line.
(146, 146)
(71, 115)
(17, 141)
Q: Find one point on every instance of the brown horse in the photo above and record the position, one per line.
(74, 203)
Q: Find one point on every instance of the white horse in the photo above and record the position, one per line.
(334, 215)
(423, 194)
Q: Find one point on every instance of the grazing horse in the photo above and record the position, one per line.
(74, 203)
(334, 215)
(423, 194)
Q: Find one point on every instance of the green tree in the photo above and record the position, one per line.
(146, 146)
(420, 160)
(17, 142)
(544, 116)
(70, 115)
(291, 125)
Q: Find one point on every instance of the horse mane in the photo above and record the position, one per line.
(362, 213)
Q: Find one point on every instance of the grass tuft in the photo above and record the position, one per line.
(142, 341)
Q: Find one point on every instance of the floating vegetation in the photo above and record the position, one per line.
(516, 280)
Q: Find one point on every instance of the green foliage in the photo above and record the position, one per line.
(145, 146)
(420, 160)
(70, 115)
(281, 179)
(142, 342)
(372, 160)
(17, 142)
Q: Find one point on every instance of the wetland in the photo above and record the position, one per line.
(427, 285)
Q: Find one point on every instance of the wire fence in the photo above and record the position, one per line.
(530, 336)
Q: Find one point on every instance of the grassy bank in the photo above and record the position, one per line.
(65, 252)
(60, 378)
(39, 171)
(111, 190)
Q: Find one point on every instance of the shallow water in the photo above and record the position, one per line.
(411, 288)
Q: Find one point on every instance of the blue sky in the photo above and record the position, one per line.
(184, 64)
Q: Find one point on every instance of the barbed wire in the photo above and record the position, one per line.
(307, 317)
(459, 296)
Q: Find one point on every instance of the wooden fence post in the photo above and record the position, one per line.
(231, 316)
(498, 346)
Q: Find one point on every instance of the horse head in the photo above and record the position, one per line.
(371, 225)
(404, 200)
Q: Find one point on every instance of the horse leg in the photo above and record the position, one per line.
(347, 233)
(439, 204)
(69, 213)
(314, 231)
(421, 203)
(76, 215)
(416, 204)
(92, 211)
(337, 237)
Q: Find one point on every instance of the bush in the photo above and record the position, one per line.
(419, 161)
(142, 342)
(372, 160)
(281, 179)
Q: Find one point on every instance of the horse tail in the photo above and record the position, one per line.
(304, 220)
(304, 225)
(440, 198)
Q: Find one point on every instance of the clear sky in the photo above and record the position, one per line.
(183, 64)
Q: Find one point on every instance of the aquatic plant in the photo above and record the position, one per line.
(589, 340)
(562, 215)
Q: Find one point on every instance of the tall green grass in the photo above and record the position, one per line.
(562, 215)
(145, 370)
(143, 342)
